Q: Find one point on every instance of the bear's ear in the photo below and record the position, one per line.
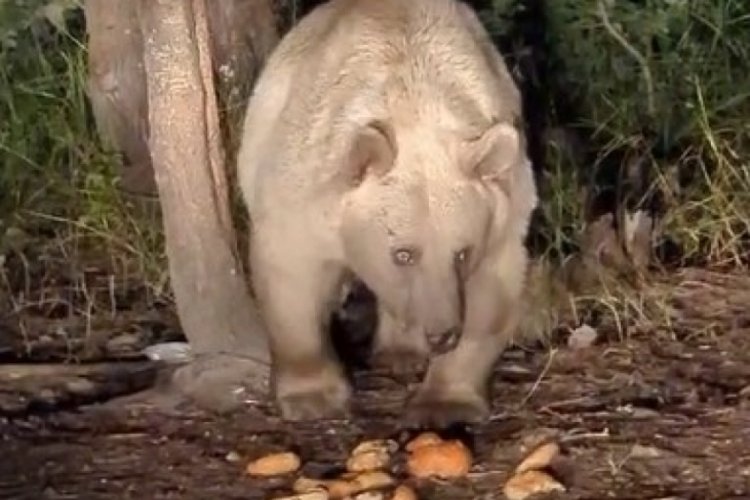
(373, 151)
(491, 156)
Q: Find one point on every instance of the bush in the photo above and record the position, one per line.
(658, 92)
(58, 181)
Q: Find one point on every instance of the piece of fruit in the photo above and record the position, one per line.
(310, 495)
(347, 485)
(274, 464)
(305, 484)
(447, 459)
(371, 455)
(423, 439)
(540, 458)
(372, 480)
(403, 492)
(531, 482)
(369, 495)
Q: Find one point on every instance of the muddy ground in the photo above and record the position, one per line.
(644, 413)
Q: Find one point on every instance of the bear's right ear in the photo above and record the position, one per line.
(373, 151)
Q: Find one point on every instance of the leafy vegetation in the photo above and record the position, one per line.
(59, 196)
(659, 86)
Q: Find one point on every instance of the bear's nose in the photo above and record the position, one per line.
(444, 341)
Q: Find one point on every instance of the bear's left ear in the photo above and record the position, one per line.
(373, 151)
(491, 156)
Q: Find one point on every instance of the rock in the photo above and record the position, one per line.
(80, 387)
(125, 343)
(169, 352)
(582, 337)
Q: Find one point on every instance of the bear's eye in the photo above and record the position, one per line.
(405, 256)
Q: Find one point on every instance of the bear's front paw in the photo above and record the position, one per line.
(441, 408)
(222, 382)
(322, 394)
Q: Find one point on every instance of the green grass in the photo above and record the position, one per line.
(58, 182)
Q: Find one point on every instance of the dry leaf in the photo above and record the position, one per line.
(539, 458)
(532, 482)
(448, 459)
(639, 229)
(274, 464)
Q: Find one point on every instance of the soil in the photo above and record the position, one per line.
(644, 413)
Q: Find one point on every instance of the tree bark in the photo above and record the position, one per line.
(117, 87)
(242, 34)
(215, 308)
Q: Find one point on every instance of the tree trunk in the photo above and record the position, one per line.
(213, 300)
(242, 33)
(117, 87)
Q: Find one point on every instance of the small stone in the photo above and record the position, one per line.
(582, 337)
(169, 352)
(80, 387)
(125, 343)
(232, 457)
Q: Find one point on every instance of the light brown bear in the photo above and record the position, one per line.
(383, 139)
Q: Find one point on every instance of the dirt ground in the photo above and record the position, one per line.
(649, 414)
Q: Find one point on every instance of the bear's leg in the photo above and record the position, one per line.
(456, 387)
(296, 291)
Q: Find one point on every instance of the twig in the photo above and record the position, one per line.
(633, 52)
(585, 436)
(539, 379)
